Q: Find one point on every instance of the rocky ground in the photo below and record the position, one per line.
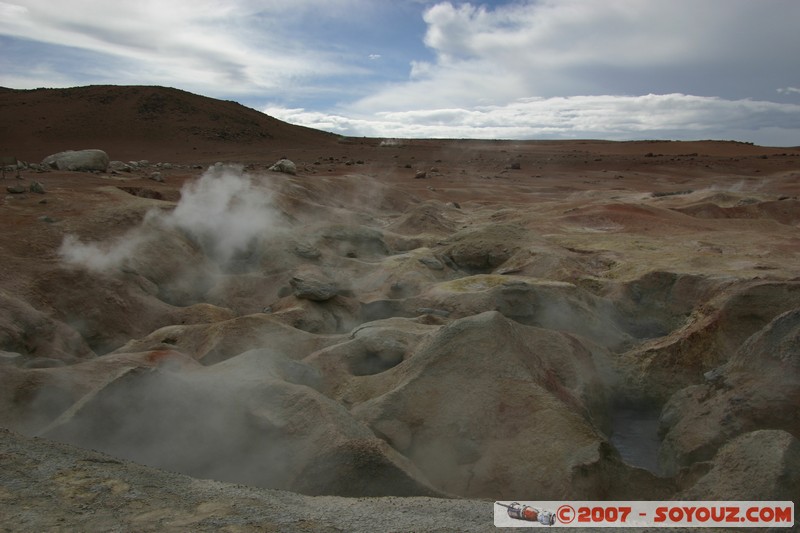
(398, 320)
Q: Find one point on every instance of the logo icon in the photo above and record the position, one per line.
(530, 514)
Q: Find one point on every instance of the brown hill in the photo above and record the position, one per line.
(127, 122)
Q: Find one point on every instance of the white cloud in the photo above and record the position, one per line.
(233, 47)
(610, 117)
(521, 68)
(728, 48)
(616, 69)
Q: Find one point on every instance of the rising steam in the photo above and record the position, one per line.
(224, 213)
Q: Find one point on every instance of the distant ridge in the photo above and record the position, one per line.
(132, 122)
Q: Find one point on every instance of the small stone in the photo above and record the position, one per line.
(119, 166)
(421, 174)
(156, 176)
(16, 189)
(37, 187)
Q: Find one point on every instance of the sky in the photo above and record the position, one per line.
(505, 69)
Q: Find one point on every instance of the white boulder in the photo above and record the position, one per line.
(78, 160)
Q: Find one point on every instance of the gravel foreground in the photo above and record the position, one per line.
(49, 486)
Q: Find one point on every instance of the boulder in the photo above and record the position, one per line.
(120, 166)
(284, 165)
(315, 288)
(78, 160)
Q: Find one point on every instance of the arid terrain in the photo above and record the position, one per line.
(390, 338)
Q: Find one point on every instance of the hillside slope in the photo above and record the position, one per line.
(126, 122)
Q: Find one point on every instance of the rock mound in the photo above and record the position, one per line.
(759, 388)
(483, 249)
(269, 429)
(760, 465)
(782, 211)
(710, 336)
(477, 446)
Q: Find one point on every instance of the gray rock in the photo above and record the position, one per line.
(156, 176)
(284, 165)
(119, 166)
(37, 187)
(314, 289)
(16, 189)
(78, 160)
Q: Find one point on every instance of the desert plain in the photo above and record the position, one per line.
(387, 334)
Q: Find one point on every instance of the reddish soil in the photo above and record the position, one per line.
(696, 245)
